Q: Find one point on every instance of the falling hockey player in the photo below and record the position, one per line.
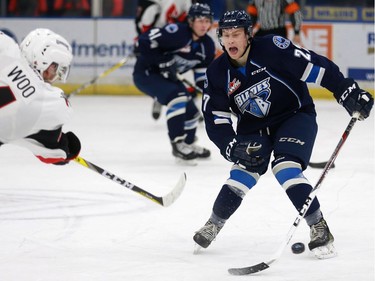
(32, 112)
(263, 82)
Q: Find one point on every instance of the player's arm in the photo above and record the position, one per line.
(52, 147)
(252, 11)
(310, 67)
(217, 113)
(293, 10)
(147, 17)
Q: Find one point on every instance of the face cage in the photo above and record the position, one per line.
(62, 73)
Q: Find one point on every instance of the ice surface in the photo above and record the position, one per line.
(68, 223)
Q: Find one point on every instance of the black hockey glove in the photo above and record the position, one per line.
(168, 69)
(354, 99)
(70, 143)
(244, 154)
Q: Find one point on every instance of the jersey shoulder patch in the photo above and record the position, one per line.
(281, 42)
(171, 28)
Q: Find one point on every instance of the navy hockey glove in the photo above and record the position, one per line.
(354, 99)
(70, 143)
(244, 154)
(168, 69)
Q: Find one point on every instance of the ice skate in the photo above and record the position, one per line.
(184, 153)
(201, 152)
(321, 243)
(204, 236)
(156, 109)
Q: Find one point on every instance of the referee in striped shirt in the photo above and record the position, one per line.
(269, 17)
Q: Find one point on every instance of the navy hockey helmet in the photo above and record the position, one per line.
(198, 10)
(235, 19)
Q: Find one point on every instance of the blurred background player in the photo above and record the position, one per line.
(32, 112)
(270, 16)
(158, 13)
(263, 82)
(163, 53)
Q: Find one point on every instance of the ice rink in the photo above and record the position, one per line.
(67, 223)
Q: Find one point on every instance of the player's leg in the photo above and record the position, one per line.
(191, 123)
(293, 147)
(174, 96)
(232, 192)
(227, 202)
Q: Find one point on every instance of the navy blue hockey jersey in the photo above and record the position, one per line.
(175, 40)
(271, 88)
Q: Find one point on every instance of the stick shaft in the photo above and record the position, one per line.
(101, 75)
(119, 180)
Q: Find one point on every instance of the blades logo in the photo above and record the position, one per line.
(233, 86)
(255, 99)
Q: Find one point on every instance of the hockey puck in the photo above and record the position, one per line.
(298, 248)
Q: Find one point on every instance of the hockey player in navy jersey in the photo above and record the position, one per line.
(158, 13)
(162, 54)
(263, 82)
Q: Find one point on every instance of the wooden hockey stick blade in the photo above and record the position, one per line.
(101, 75)
(320, 165)
(164, 201)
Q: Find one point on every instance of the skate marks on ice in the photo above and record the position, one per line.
(41, 204)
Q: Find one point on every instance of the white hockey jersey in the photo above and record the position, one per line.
(28, 104)
(157, 13)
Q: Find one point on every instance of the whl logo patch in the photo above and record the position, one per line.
(254, 100)
(233, 86)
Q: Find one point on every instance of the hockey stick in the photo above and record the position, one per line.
(264, 265)
(187, 82)
(101, 75)
(320, 165)
(164, 201)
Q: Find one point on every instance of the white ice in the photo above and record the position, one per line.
(60, 223)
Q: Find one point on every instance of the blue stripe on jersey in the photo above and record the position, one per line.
(176, 106)
(313, 75)
(242, 177)
(222, 120)
(289, 173)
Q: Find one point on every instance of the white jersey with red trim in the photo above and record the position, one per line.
(27, 104)
(157, 13)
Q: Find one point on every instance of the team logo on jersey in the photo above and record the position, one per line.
(233, 86)
(255, 99)
(281, 42)
(171, 28)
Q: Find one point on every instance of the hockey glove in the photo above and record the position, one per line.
(168, 69)
(244, 154)
(70, 143)
(354, 99)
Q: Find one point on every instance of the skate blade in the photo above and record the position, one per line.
(183, 162)
(197, 249)
(325, 252)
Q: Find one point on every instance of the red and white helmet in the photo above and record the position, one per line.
(42, 47)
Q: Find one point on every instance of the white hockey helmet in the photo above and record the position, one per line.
(43, 47)
(8, 46)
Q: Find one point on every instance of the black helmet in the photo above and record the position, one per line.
(235, 19)
(200, 10)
